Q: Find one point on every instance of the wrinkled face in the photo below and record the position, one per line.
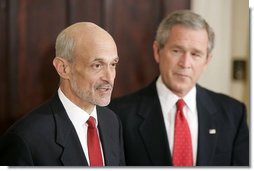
(182, 59)
(93, 72)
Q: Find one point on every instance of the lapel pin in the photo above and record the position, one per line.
(212, 131)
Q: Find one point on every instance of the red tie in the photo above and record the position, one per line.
(94, 150)
(182, 152)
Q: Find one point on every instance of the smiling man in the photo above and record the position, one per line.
(174, 121)
(73, 128)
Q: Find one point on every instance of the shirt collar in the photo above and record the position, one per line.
(169, 98)
(75, 113)
(190, 99)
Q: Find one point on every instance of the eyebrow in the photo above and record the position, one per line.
(181, 47)
(101, 59)
(116, 59)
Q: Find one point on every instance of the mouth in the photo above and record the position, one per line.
(180, 75)
(104, 88)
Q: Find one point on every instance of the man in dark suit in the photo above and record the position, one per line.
(56, 133)
(215, 131)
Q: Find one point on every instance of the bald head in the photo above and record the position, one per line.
(86, 58)
(84, 35)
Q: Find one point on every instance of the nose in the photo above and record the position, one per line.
(185, 60)
(109, 74)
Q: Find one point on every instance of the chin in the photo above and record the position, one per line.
(103, 103)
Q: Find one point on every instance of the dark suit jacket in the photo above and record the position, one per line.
(145, 135)
(47, 137)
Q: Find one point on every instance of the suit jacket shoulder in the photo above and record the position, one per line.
(45, 137)
(226, 116)
(217, 101)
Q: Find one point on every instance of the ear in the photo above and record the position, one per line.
(62, 67)
(156, 51)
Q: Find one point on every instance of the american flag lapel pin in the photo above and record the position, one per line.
(212, 131)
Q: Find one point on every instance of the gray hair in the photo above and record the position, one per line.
(65, 44)
(187, 19)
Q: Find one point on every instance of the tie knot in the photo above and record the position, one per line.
(91, 122)
(180, 104)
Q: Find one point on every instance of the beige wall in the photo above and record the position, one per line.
(217, 13)
(251, 75)
(240, 46)
(230, 20)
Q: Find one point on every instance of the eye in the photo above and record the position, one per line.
(176, 51)
(97, 66)
(196, 55)
(114, 64)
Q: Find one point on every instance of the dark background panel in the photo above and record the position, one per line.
(3, 64)
(28, 29)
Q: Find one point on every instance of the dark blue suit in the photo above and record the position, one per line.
(47, 137)
(145, 135)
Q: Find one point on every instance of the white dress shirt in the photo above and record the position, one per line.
(168, 104)
(79, 118)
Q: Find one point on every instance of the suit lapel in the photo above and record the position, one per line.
(108, 144)
(207, 136)
(152, 129)
(66, 137)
